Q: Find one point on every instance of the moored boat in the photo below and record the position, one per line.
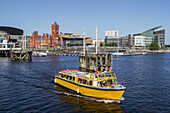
(39, 54)
(103, 85)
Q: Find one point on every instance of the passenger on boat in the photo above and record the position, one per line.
(103, 84)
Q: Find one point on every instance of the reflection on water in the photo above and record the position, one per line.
(29, 86)
(86, 104)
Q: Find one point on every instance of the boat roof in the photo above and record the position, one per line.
(77, 73)
(82, 74)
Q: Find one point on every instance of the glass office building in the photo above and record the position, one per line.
(148, 36)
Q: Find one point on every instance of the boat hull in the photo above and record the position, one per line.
(91, 91)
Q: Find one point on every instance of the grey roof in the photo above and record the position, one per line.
(55, 22)
(152, 29)
(43, 36)
(11, 30)
(3, 31)
(40, 37)
(147, 30)
(34, 33)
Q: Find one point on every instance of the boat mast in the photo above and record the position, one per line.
(84, 40)
(96, 39)
(25, 41)
(117, 44)
(41, 42)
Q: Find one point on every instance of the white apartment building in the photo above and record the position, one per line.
(111, 33)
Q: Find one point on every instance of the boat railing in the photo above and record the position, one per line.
(116, 83)
(121, 83)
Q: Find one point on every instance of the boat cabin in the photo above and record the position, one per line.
(99, 79)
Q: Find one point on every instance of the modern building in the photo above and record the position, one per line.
(111, 33)
(98, 42)
(124, 41)
(112, 37)
(46, 40)
(71, 40)
(159, 37)
(89, 42)
(12, 35)
(145, 38)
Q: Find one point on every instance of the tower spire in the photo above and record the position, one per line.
(55, 22)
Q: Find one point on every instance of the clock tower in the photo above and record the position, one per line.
(56, 41)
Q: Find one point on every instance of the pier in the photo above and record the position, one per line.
(16, 54)
(21, 55)
(95, 62)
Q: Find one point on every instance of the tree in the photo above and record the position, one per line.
(110, 44)
(167, 46)
(154, 46)
(101, 44)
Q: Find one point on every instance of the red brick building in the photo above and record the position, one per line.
(46, 40)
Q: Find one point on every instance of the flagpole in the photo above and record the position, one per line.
(84, 40)
(96, 39)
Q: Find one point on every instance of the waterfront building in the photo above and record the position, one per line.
(98, 42)
(89, 42)
(56, 40)
(111, 33)
(71, 40)
(112, 37)
(124, 41)
(159, 37)
(40, 41)
(46, 40)
(13, 35)
(144, 39)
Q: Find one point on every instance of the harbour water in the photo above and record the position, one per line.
(29, 86)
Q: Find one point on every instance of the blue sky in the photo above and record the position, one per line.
(126, 16)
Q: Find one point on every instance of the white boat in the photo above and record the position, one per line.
(39, 54)
(117, 53)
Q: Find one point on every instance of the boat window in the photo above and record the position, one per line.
(98, 84)
(62, 75)
(101, 77)
(87, 82)
(70, 78)
(67, 77)
(84, 81)
(91, 83)
(113, 75)
(103, 84)
(91, 76)
(109, 82)
(108, 75)
(79, 80)
(73, 78)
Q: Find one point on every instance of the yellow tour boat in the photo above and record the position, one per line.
(103, 85)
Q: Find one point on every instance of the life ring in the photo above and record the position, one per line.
(97, 72)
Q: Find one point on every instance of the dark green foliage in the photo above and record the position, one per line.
(154, 46)
(111, 44)
(101, 44)
(167, 46)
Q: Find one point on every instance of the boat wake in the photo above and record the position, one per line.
(89, 98)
